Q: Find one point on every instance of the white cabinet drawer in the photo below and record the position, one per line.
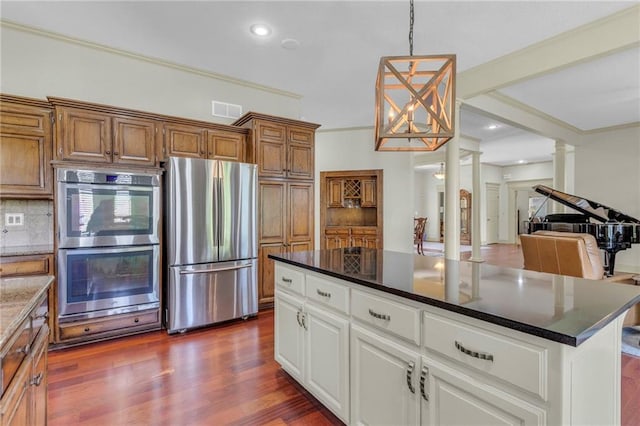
(393, 317)
(511, 360)
(289, 279)
(327, 293)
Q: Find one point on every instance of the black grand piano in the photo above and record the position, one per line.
(613, 230)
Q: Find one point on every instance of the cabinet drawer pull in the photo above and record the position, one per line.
(287, 280)
(137, 320)
(115, 153)
(108, 152)
(323, 294)
(304, 321)
(475, 354)
(423, 379)
(379, 316)
(37, 379)
(87, 329)
(298, 318)
(410, 368)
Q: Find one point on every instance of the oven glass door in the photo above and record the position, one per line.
(107, 215)
(107, 279)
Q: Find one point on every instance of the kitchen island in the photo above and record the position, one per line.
(395, 338)
(24, 339)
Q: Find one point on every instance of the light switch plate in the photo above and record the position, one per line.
(13, 219)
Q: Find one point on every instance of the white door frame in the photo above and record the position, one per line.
(512, 187)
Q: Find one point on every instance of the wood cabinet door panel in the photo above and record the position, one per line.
(301, 136)
(271, 199)
(84, 135)
(185, 141)
(368, 193)
(300, 159)
(271, 159)
(300, 214)
(271, 132)
(334, 192)
(266, 274)
(134, 141)
(24, 165)
(24, 120)
(226, 146)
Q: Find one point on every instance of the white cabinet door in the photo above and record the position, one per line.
(289, 334)
(327, 359)
(384, 381)
(456, 399)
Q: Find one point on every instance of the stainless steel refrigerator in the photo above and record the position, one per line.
(210, 220)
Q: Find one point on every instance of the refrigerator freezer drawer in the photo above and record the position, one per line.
(205, 294)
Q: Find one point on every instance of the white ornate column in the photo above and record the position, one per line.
(476, 255)
(452, 193)
(559, 166)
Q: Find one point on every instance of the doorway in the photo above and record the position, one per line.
(493, 209)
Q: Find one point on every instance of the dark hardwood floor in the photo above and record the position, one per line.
(223, 375)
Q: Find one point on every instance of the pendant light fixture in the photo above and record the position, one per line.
(415, 98)
(440, 173)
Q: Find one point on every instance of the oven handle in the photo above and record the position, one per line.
(206, 271)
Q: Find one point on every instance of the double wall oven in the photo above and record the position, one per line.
(108, 242)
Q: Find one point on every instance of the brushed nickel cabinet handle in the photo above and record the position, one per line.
(304, 322)
(287, 280)
(323, 294)
(423, 379)
(298, 318)
(379, 316)
(474, 354)
(37, 379)
(410, 368)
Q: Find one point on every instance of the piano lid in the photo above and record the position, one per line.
(597, 211)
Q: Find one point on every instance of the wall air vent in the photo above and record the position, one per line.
(226, 110)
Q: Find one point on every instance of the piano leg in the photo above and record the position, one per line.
(609, 262)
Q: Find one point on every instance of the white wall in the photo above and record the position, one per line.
(39, 65)
(353, 149)
(607, 167)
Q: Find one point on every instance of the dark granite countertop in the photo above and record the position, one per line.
(558, 308)
(18, 297)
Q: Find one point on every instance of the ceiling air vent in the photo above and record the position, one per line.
(223, 109)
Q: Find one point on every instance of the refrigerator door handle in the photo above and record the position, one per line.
(207, 271)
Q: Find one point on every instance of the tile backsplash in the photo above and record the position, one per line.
(37, 228)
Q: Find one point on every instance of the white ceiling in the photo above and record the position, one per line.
(341, 42)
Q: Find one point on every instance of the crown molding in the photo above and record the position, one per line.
(148, 59)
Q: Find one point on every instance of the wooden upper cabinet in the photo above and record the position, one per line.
(334, 192)
(185, 141)
(83, 135)
(368, 188)
(134, 141)
(271, 149)
(300, 153)
(100, 137)
(226, 146)
(26, 146)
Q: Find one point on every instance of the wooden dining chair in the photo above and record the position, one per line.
(419, 224)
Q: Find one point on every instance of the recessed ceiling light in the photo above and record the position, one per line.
(522, 161)
(261, 30)
(290, 44)
(492, 126)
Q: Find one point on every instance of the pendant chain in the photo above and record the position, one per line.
(410, 27)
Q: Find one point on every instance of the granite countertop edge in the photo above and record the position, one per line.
(494, 319)
(26, 250)
(7, 332)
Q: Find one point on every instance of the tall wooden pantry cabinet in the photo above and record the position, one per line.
(283, 149)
